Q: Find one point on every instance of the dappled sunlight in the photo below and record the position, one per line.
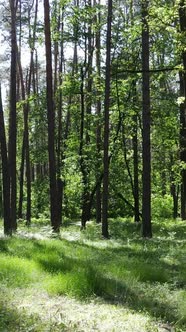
(139, 277)
(86, 317)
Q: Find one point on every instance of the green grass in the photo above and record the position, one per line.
(147, 276)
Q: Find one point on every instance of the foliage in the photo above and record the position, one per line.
(162, 207)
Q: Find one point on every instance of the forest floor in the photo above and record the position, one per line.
(81, 282)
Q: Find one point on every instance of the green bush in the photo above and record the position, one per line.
(162, 207)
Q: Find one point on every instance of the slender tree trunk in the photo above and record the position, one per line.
(135, 131)
(56, 22)
(13, 118)
(5, 174)
(163, 174)
(105, 232)
(174, 189)
(25, 146)
(86, 210)
(83, 167)
(21, 180)
(98, 112)
(183, 148)
(89, 78)
(135, 157)
(86, 104)
(26, 113)
(60, 182)
(67, 124)
(1, 188)
(146, 177)
(28, 170)
(55, 222)
(25, 153)
(182, 16)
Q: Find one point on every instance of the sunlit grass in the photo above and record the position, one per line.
(12, 320)
(144, 275)
(16, 272)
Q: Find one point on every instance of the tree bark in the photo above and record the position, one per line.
(98, 113)
(174, 188)
(5, 174)
(1, 189)
(105, 232)
(146, 176)
(60, 152)
(135, 157)
(55, 222)
(86, 105)
(13, 118)
(83, 167)
(182, 17)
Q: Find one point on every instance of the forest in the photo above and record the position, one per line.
(93, 165)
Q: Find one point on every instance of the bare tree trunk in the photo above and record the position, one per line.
(51, 123)
(86, 105)
(1, 188)
(182, 16)
(85, 197)
(13, 118)
(5, 174)
(183, 148)
(60, 152)
(135, 157)
(21, 180)
(98, 112)
(174, 189)
(135, 132)
(105, 232)
(146, 176)
(26, 128)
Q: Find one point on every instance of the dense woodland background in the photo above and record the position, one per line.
(93, 122)
(93, 136)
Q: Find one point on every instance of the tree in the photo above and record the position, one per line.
(105, 232)
(182, 17)
(5, 171)
(146, 197)
(98, 112)
(93, 134)
(13, 117)
(55, 220)
(25, 85)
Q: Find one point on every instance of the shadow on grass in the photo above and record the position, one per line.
(143, 262)
(85, 278)
(14, 320)
(3, 245)
(131, 275)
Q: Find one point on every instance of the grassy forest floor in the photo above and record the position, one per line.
(80, 282)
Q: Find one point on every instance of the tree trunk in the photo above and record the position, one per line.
(182, 17)
(13, 118)
(135, 156)
(5, 174)
(146, 176)
(1, 189)
(85, 198)
(60, 152)
(174, 193)
(21, 180)
(98, 112)
(26, 113)
(55, 223)
(105, 232)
